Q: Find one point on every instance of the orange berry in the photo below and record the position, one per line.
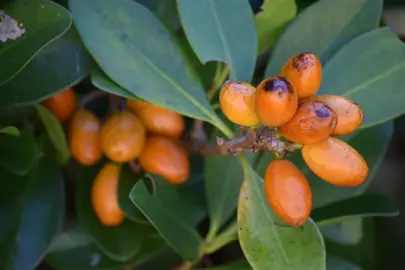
(84, 137)
(156, 119)
(276, 101)
(165, 157)
(63, 105)
(104, 196)
(336, 162)
(237, 101)
(288, 192)
(122, 137)
(313, 122)
(304, 71)
(350, 115)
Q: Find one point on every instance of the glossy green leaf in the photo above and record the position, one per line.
(18, 154)
(371, 62)
(241, 264)
(324, 193)
(335, 263)
(72, 251)
(130, 51)
(101, 81)
(59, 65)
(323, 28)
(362, 206)
(120, 243)
(40, 20)
(349, 232)
(126, 183)
(222, 31)
(32, 212)
(10, 130)
(267, 245)
(224, 177)
(170, 215)
(271, 21)
(55, 132)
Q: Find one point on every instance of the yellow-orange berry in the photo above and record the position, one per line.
(156, 119)
(104, 196)
(237, 101)
(84, 137)
(63, 105)
(288, 192)
(336, 162)
(313, 122)
(122, 137)
(276, 101)
(165, 157)
(304, 71)
(350, 115)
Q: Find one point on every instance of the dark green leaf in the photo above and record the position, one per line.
(324, 193)
(73, 251)
(362, 206)
(348, 232)
(222, 31)
(32, 212)
(10, 130)
(324, 28)
(262, 162)
(120, 243)
(59, 65)
(335, 263)
(126, 183)
(371, 62)
(101, 81)
(224, 177)
(170, 215)
(241, 264)
(267, 245)
(55, 132)
(271, 21)
(137, 52)
(42, 21)
(18, 154)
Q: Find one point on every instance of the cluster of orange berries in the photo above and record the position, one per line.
(144, 132)
(288, 104)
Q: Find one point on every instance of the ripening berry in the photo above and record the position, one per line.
(237, 101)
(313, 122)
(122, 137)
(63, 105)
(336, 162)
(350, 115)
(156, 119)
(84, 138)
(304, 71)
(276, 101)
(165, 157)
(288, 192)
(104, 196)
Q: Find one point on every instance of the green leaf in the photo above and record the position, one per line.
(41, 22)
(267, 245)
(55, 132)
(222, 31)
(335, 263)
(362, 206)
(101, 81)
(130, 51)
(32, 212)
(59, 65)
(224, 177)
(324, 193)
(323, 28)
(241, 264)
(120, 243)
(170, 215)
(10, 130)
(371, 62)
(349, 232)
(18, 154)
(77, 253)
(271, 21)
(126, 183)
